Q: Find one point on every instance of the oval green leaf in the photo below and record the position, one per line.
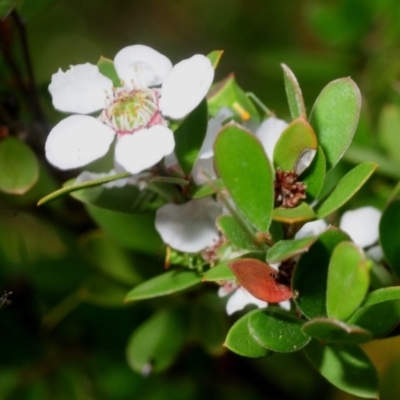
(348, 281)
(285, 249)
(345, 366)
(309, 280)
(389, 234)
(107, 68)
(332, 330)
(293, 93)
(19, 168)
(167, 283)
(382, 295)
(314, 176)
(335, 117)
(221, 272)
(297, 140)
(240, 341)
(301, 213)
(347, 187)
(247, 173)
(277, 330)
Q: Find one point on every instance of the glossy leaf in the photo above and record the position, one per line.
(347, 187)
(295, 141)
(382, 295)
(221, 272)
(314, 176)
(19, 168)
(151, 348)
(348, 281)
(236, 234)
(309, 280)
(190, 136)
(345, 366)
(240, 341)
(293, 93)
(167, 283)
(389, 234)
(215, 57)
(259, 279)
(286, 249)
(330, 330)
(301, 213)
(335, 116)
(277, 330)
(242, 164)
(380, 318)
(107, 68)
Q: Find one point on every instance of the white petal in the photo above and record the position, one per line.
(144, 148)
(269, 132)
(313, 228)
(141, 66)
(203, 171)
(82, 89)
(189, 227)
(77, 140)
(376, 253)
(362, 225)
(185, 87)
(240, 299)
(305, 160)
(227, 288)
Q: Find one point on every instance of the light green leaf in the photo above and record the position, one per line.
(107, 68)
(277, 330)
(215, 57)
(221, 272)
(314, 176)
(240, 341)
(301, 213)
(285, 249)
(382, 295)
(167, 283)
(347, 187)
(207, 189)
(242, 164)
(345, 366)
(335, 116)
(19, 168)
(293, 93)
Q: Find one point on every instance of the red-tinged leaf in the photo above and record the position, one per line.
(259, 279)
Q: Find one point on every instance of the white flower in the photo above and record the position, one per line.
(134, 113)
(269, 133)
(189, 227)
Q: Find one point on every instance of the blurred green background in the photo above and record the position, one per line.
(64, 335)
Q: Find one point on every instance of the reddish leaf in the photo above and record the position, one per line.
(259, 279)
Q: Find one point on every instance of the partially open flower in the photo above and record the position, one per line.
(135, 113)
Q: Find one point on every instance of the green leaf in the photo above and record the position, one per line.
(388, 130)
(236, 234)
(335, 116)
(314, 176)
(296, 142)
(189, 137)
(389, 234)
(70, 187)
(247, 173)
(277, 330)
(155, 344)
(198, 192)
(221, 272)
(134, 231)
(345, 366)
(348, 273)
(382, 295)
(331, 330)
(347, 187)
(285, 249)
(215, 57)
(6, 6)
(293, 93)
(107, 68)
(19, 168)
(301, 213)
(380, 318)
(240, 341)
(309, 280)
(169, 282)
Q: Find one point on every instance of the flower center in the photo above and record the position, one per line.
(132, 110)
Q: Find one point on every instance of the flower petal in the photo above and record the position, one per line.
(269, 132)
(185, 87)
(313, 228)
(189, 227)
(362, 225)
(144, 148)
(240, 299)
(141, 66)
(82, 89)
(76, 141)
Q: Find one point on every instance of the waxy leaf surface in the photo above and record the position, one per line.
(301, 213)
(286, 249)
(293, 93)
